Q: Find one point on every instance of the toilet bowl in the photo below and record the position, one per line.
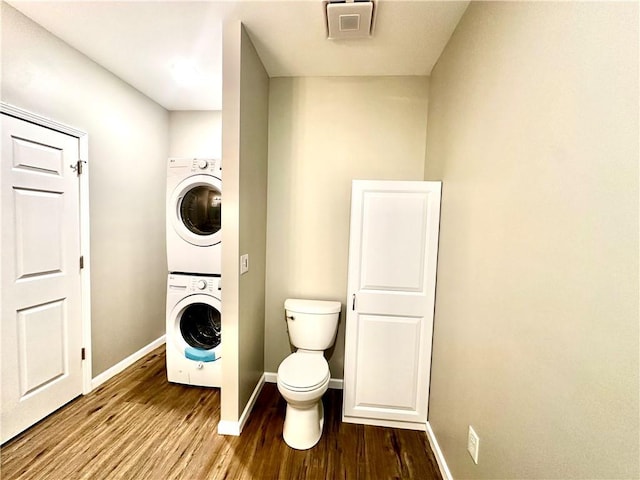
(303, 377)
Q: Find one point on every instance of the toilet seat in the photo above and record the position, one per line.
(303, 372)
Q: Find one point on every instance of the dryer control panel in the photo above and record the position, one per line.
(211, 166)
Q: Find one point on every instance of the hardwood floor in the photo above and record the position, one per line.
(139, 426)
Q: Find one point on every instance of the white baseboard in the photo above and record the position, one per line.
(442, 463)
(336, 383)
(227, 427)
(127, 362)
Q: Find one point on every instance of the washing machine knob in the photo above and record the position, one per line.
(201, 285)
(202, 164)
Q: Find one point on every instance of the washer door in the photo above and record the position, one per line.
(195, 209)
(196, 321)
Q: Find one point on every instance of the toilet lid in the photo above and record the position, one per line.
(303, 371)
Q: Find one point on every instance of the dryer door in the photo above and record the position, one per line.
(196, 322)
(195, 209)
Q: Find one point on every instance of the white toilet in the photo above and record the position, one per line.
(303, 376)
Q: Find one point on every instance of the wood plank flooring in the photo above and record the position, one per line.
(139, 426)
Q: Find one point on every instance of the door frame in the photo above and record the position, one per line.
(85, 272)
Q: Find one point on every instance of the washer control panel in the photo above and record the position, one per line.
(205, 285)
(188, 284)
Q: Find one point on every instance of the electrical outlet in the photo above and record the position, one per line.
(473, 444)
(244, 263)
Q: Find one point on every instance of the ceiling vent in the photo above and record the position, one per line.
(349, 19)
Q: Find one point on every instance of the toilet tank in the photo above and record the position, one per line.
(312, 324)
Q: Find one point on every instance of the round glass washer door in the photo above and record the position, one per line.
(196, 210)
(197, 323)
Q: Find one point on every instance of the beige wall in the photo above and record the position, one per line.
(127, 156)
(195, 133)
(254, 121)
(324, 132)
(244, 149)
(533, 128)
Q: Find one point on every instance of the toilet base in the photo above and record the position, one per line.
(303, 426)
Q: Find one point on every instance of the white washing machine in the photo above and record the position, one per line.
(194, 334)
(194, 215)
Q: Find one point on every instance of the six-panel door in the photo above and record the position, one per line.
(41, 310)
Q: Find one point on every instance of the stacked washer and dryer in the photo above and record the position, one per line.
(194, 294)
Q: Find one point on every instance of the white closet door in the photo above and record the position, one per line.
(41, 302)
(391, 286)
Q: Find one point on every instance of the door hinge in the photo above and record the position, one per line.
(78, 166)
(81, 262)
(83, 353)
(353, 305)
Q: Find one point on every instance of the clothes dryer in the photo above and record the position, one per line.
(194, 336)
(194, 215)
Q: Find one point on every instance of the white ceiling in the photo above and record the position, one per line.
(139, 40)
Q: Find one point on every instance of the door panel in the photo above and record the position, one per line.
(398, 372)
(29, 155)
(391, 284)
(41, 303)
(389, 224)
(39, 232)
(41, 345)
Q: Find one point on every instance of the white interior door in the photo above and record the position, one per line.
(41, 285)
(391, 286)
